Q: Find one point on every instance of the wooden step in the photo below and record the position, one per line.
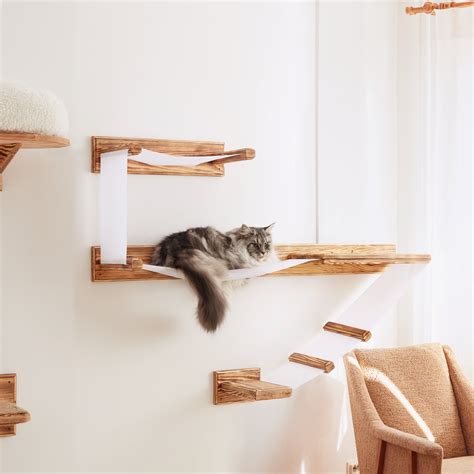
(350, 331)
(244, 385)
(311, 361)
(10, 413)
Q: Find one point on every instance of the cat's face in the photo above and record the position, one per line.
(258, 241)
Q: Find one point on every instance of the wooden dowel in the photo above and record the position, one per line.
(430, 8)
(350, 331)
(315, 362)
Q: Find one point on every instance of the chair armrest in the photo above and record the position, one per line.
(406, 440)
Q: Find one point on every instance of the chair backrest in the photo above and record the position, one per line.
(411, 391)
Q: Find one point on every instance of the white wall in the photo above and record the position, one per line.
(117, 376)
(357, 130)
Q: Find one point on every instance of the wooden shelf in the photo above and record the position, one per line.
(10, 413)
(331, 260)
(244, 385)
(11, 142)
(171, 147)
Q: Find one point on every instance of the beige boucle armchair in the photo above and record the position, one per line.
(412, 410)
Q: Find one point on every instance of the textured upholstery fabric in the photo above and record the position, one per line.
(370, 430)
(464, 393)
(463, 465)
(411, 390)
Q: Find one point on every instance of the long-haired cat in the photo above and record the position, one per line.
(204, 255)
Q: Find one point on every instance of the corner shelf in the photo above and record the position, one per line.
(244, 385)
(10, 413)
(329, 260)
(171, 147)
(11, 142)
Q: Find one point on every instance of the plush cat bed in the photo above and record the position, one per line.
(23, 109)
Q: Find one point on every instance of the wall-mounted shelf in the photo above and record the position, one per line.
(171, 147)
(244, 385)
(331, 260)
(11, 142)
(10, 413)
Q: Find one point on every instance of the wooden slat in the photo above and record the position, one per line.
(244, 385)
(350, 331)
(332, 267)
(258, 390)
(33, 140)
(311, 361)
(171, 147)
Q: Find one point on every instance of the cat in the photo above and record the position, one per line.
(204, 255)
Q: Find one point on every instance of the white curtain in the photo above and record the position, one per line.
(440, 306)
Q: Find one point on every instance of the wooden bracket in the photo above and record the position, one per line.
(10, 413)
(171, 147)
(11, 142)
(244, 385)
(304, 359)
(361, 334)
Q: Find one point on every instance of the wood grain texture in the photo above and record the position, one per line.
(311, 361)
(334, 260)
(33, 140)
(7, 152)
(10, 413)
(350, 331)
(171, 147)
(244, 385)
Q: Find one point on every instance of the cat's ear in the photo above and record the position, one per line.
(244, 230)
(269, 228)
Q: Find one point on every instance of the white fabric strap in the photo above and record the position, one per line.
(239, 274)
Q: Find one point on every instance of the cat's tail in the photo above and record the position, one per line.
(204, 273)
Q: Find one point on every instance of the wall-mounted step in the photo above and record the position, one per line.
(350, 331)
(311, 361)
(244, 385)
(10, 413)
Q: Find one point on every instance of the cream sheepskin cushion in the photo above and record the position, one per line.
(23, 109)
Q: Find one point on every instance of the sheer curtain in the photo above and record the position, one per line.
(438, 198)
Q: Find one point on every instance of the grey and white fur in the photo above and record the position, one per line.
(204, 255)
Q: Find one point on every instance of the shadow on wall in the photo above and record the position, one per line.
(309, 440)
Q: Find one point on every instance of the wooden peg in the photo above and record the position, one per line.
(350, 331)
(315, 362)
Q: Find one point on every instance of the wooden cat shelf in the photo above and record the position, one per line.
(170, 147)
(11, 142)
(244, 385)
(10, 413)
(329, 260)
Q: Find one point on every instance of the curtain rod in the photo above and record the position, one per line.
(430, 7)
